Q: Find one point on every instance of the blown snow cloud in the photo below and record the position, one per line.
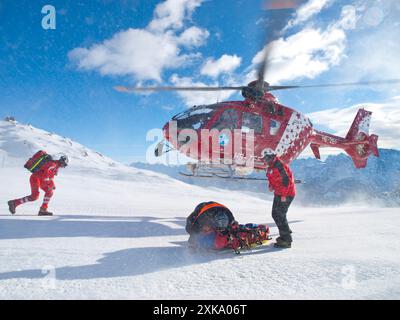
(137, 52)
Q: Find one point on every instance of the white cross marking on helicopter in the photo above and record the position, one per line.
(364, 124)
(291, 136)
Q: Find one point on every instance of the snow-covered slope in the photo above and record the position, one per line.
(331, 182)
(119, 232)
(18, 142)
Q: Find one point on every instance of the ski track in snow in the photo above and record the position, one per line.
(118, 233)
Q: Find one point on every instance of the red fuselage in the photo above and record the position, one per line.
(276, 127)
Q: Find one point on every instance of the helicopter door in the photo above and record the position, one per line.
(227, 122)
(251, 121)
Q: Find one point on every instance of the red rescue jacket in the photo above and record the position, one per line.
(281, 178)
(48, 170)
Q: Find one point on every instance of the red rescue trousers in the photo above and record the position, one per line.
(47, 185)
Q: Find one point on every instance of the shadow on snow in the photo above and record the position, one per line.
(132, 262)
(89, 226)
(120, 263)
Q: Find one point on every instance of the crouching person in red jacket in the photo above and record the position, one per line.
(281, 182)
(41, 179)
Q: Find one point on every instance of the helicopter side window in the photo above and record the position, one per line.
(194, 118)
(251, 121)
(271, 108)
(274, 127)
(227, 120)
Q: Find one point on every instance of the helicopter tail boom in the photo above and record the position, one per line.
(358, 144)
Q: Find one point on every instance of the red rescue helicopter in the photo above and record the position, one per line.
(275, 128)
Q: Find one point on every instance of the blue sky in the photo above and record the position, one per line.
(62, 80)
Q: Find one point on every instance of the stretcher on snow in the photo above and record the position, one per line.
(212, 226)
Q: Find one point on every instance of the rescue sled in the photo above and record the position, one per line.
(212, 227)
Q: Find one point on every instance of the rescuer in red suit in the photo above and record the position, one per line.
(281, 182)
(42, 179)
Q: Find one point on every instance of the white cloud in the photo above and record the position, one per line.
(131, 52)
(171, 13)
(308, 10)
(307, 53)
(385, 121)
(199, 97)
(348, 18)
(225, 64)
(193, 37)
(146, 53)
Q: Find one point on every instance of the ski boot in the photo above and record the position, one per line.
(44, 212)
(11, 206)
(284, 244)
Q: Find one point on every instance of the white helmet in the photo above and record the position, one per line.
(268, 154)
(64, 161)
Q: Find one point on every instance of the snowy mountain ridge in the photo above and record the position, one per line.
(337, 180)
(18, 142)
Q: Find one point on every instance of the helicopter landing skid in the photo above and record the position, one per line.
(220, 176)
(196, 175)
(219, 171)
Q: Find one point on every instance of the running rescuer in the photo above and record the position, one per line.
(43, 169)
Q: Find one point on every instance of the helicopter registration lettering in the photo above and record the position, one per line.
(329, 140)
(241, 158)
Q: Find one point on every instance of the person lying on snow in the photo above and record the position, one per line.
(212, 226)
(43, 169)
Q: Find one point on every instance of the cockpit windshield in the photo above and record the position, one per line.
(195, 117)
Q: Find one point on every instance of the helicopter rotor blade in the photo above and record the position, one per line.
(345, 84)
(262, 68)
(125, 89)
(278, 23)
(152, 89)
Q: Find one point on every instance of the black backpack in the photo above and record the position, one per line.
(209, 214)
